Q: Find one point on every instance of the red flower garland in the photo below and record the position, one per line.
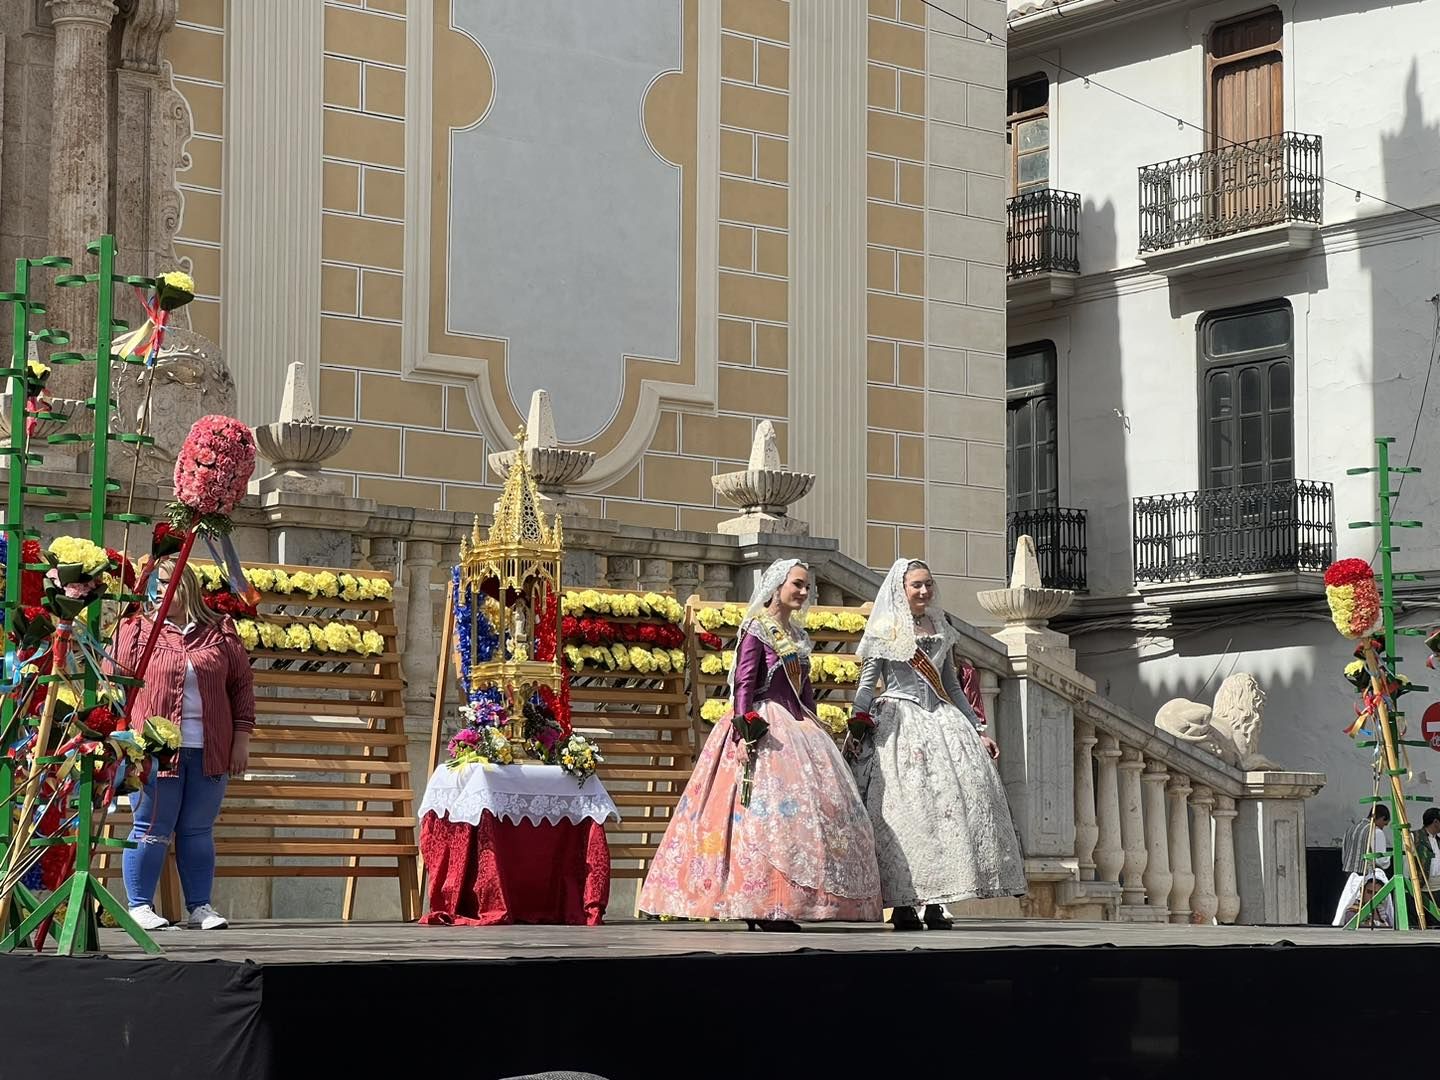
(545, 631)
(596, 631)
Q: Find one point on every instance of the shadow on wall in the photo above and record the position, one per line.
(1098, 417)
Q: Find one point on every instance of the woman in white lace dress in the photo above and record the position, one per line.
(923, 763)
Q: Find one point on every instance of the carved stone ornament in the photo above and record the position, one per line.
(1230, 729)
(191, 380)
(295, 445)
(146, 24)
(552, 466)
(765, 491)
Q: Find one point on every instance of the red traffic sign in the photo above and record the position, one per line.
(1430, 726)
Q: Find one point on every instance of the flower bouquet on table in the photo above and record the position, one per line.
(481, 740)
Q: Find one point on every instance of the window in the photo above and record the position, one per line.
(1245, 91)
(1031, 475)
(1246, 396)
(1027, 128)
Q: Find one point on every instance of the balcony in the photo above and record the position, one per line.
(1244, 203)
(1234, 544)
(1059, 537)
(1042, 228)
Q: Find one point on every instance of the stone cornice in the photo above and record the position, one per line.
(96, 12)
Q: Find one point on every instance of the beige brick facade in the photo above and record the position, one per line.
(428, 403)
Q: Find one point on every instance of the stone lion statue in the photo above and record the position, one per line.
(1230, 729)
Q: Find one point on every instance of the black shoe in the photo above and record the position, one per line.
(935, 918)
(904, 918)
(778, 926)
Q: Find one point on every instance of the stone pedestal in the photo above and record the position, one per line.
(1270, 847)
(1037, 758)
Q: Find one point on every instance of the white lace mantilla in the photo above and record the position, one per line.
(515, 793)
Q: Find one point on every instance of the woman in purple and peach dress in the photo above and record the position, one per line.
(771, 828)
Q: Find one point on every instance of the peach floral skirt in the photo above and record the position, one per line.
(803, 849)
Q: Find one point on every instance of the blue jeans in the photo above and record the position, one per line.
(184, 806)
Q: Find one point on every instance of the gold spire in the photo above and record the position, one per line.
(518, 519)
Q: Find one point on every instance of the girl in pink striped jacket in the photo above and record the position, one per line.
(199, 678)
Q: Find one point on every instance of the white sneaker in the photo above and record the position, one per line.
(148, 918)
(206, 917)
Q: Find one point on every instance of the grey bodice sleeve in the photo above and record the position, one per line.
(870, 673)
(951, 678)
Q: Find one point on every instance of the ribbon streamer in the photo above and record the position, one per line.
(146, 340)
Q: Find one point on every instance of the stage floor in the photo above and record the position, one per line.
(358, 942)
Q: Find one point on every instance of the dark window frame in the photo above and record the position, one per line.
(1018, 397)
(1264, 357)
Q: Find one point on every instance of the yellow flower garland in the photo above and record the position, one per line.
(582, 602)
(325, 583)
(732, 615)
(625, 658)
(834, 717)
(335, 637)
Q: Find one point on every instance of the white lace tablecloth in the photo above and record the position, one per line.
(515, 793)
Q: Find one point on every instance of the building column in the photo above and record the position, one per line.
(418, 663)
(1132, 828)
(1157, 868)
(274, 57)
(1109, 853)
(79, 168)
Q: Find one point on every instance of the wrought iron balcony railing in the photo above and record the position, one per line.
(1233, 189)
(1043, 230)
(1059, 537)
(1288, 525)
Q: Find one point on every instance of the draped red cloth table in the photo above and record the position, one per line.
(515, 844)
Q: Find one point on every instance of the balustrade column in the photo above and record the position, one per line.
(622, 572)
(1204, 902)
(685, 578)
(830, 595)
(719, 582)
(990, 697)
(418, 662)
(382, 554)
(1182, 877)
(654, 575)
(1227, 891)
(1132, 828)
(1086, 831)
(1109, 854)
(1157, 877)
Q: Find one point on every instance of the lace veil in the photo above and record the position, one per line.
(770, 582)
(890, 630)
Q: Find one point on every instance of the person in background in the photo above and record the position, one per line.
(1427, 842)
(1365, 838)
(199, 678)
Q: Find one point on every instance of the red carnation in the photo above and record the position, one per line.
(1348, 572)
(648, 633)
(569, 626)
(709, 640)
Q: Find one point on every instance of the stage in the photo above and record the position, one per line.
(682, 1000)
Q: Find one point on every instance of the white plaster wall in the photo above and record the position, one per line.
(1366, 77)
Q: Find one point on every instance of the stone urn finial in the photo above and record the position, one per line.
(552, 466)
(295, 445)
(764, 491)
(1027, 607)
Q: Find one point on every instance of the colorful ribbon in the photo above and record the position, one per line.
(146, 341)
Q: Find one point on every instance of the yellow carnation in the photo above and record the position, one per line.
(383, 588)
(303, 581)
(372, 643)
(327, 584)
(712, 664)
(677, 659)
(75, 551)
(298, 637)
(249, 635)
(712, 709)
(262, 578)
